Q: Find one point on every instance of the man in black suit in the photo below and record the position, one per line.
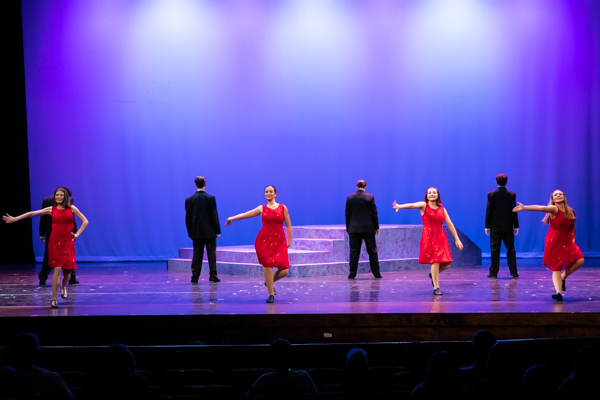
(362, 224)
(45, 230)
(502, 224)
(202, 222)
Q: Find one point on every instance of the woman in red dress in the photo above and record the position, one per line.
(561, 255)
(61, 252)
(434, 248)
(271, 246)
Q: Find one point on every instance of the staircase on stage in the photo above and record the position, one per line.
(320, 250)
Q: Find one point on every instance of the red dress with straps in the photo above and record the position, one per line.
(61, 245)
(434, 244)
(560, 250)
(271, 245)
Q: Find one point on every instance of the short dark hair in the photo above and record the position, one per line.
(501, 179)
(200, 182)
(280, 353)
(361, 184)
(26, 347)
(274, 189)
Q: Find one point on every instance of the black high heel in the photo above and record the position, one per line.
(271, 299)
(63, 292)
(557, 297)
(53, 304)
(564, 285)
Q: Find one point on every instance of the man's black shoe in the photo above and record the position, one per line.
(352, 275)
(73, 281)
(378, 276)
(215, 279)
(492, 276)
(42, 282)
(515, 275)
(194, 279)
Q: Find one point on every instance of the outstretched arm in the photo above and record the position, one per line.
(419, 204)
(457, 241)
(248, 214)
(288, 225)
(546, 209)
(9, 219)
(84, 221)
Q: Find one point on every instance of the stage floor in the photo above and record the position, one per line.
(148, 289)
(400, 303)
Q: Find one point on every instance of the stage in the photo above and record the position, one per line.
(144, 304)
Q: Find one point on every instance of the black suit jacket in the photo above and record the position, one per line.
(46, 219)
(499, 215)
(201, 218)
(361, 213)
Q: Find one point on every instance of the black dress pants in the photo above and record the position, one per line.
(496, 239)
(356, 240)
(211, 254)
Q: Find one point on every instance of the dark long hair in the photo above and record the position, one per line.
(439, 199)
(67, 199)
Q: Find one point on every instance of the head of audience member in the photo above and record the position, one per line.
(539, 383)
(281, 353)
(587, 368)
(361, 184)
(433, 194)
(26, 349)
(482, 343)
(117, 362)
(62, 197)
(501, 179)
(504, 365)
(443, 370)
(357, 362)
(200, 182)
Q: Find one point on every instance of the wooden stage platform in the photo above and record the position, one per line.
(144, 304)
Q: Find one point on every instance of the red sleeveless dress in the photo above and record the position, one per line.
(61, 245)
(271, 244)
(560, 250)
(434, 244)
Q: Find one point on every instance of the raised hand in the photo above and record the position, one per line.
(395, 206)
(8, 219)
(519, 207)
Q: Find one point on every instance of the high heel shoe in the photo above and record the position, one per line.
(53, 304)
(63, 292)
(274, 291)
(564, 285)
(557, 297)
(271, 299)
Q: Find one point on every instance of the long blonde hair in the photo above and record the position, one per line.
(569, 213)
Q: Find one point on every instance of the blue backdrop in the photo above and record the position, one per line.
(129, 100)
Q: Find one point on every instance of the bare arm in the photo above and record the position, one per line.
(248, 214)
(419, 204)
(288, 225)
(9, 220)
(457, 241)
(84, 221)
(546, 209)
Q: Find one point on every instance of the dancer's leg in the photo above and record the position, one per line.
(268, 272)
(557, 280)
(435, 275)
(444, 266)
(55, 278)
(574, 267)
(66, 277)
(280, 273)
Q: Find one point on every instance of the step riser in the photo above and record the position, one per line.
(179, 265)
(331, 251)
